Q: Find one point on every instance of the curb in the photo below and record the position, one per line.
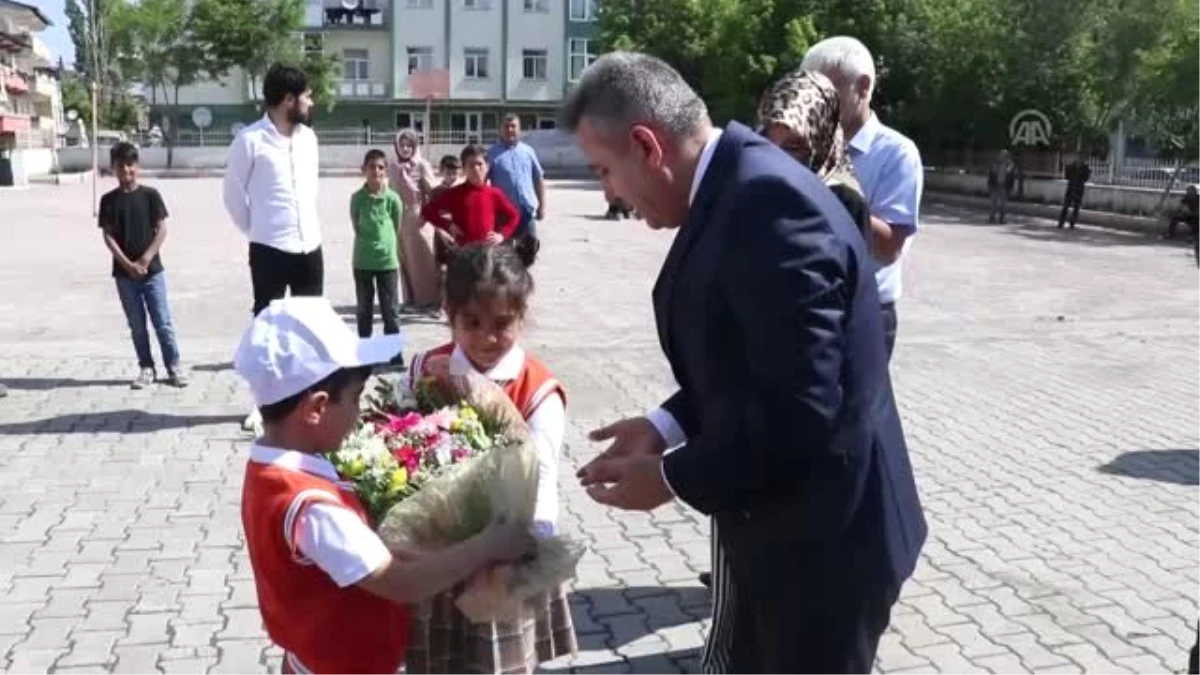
(1115, 221)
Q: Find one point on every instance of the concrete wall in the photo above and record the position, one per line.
(1112, 199)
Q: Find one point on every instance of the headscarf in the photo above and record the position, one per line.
(807, 103)
(412, 178)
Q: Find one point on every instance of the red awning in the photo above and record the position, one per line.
(16, 84)
(13, 123)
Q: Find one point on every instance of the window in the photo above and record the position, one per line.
(539, 6)
(475, 63)
(411, 120)
(476, 4)
(533, 64)
(355, 64)
(420, 58)
(580, 55)
(420, 4)
(314, 43)
(583, 10)
(546, 123)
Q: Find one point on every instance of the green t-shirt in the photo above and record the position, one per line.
(376, 217)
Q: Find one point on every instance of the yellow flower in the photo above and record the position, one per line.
(354, 468)
(456, 426)
(467, 413)
(398, 481)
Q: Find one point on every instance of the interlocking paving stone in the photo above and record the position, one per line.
(1049, 408)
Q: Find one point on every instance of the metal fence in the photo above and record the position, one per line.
(362, 136)
(1157, 174)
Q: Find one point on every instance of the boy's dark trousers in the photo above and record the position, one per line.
(148, 297)
(1071, 202)
(385, 283)
(274, 272)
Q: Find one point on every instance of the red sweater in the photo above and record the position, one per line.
(475, 210)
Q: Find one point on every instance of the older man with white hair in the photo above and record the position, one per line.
(886, 163)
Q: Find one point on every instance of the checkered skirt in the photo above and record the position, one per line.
(442, 640)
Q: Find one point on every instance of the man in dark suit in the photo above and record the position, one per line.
(784, 428)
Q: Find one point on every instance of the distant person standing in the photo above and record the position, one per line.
(271, 193)
(886, 163)
(1077, 173)
(515, 169)
(1002, 176)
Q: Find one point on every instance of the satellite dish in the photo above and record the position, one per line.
(202, 117)
(72, 115)
(351, 4)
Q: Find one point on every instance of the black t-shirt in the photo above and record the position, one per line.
(132, 219)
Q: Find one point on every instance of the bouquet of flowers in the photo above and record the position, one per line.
(437, 465)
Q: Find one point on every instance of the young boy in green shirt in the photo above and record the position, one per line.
(375, 211)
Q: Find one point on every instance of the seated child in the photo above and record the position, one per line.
(473, 211)
(486, 293)
(331, 594)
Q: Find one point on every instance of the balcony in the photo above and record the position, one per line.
(351, 14)
(361, 89)
(45, 86)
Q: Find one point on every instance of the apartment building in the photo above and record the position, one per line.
(485, 58)
(30, 100)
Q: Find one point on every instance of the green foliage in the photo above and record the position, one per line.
(951, 73)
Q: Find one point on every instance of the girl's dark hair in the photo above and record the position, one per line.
(480, 271)
(336, 385)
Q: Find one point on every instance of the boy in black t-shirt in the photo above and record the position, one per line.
(132, 218)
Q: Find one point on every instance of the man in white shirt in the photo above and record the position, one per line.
(886, 163)
(270, 193)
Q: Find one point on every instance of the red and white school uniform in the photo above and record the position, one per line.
(541, 399)
(310, 541)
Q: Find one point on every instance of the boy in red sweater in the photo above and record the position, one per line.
(473, 211)
(331, 593)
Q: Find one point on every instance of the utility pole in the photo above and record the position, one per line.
(94, 36)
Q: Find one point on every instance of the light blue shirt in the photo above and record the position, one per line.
(888, 166)
(515, 169)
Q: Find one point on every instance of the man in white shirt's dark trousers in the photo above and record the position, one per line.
(270, 193)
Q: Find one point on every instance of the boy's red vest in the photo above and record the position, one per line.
(326, 628)
(530, 388)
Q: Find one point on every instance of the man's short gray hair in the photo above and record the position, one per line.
(621, 89)
(843, 55)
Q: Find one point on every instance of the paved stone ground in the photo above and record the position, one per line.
(1048, 383)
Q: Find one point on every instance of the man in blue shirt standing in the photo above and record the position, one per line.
(515, 169)
(886, 163)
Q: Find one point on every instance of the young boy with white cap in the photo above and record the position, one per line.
(331, 593)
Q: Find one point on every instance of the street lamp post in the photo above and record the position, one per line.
(95, 105)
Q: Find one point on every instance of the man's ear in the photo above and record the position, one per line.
(646, 143)
(863, 86)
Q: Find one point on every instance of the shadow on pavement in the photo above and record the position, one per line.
(349, 311)
(50, 383)
(122, 421)
(1181, 467)
(1092, 236)
(681, 661)
(213, 367)
(640, 611)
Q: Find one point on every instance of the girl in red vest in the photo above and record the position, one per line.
(487, 291)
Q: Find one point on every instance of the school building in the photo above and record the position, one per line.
(492, 56)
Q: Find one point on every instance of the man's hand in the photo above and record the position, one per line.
(632, 437)
(134, 269)
(494, 237)
(539, 213)
(631, 483)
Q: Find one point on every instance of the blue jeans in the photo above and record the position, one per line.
(527, 224)
(140, 297)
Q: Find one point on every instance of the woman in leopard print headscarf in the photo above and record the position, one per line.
(800, 115)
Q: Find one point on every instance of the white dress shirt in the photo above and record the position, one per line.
(271, 186)
(662, 420)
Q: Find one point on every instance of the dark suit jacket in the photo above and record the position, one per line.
(768, 313)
